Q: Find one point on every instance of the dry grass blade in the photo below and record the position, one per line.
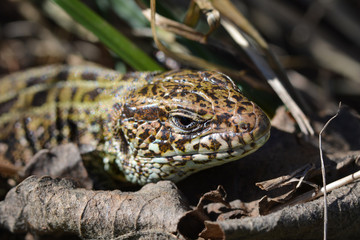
(176, 27)
(271, 69)
(8, 169)
(184, 58)
(274, 183)
(205, 7)
(212, 14)
(192, 14)
(323, 171)
(270, 76)
(189, 33)
(266, 64)
(191, 60)
(228, 10)
(311, 195)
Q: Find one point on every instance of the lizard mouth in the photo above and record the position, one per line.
(218, 158)
(178, 167)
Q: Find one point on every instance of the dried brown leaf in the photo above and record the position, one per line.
(212, 231)
(45, 205)
(192, 223)
(237, 209)
(8, 169)
(281, 181)
(303, 221)
(61, 161)
(217, 195)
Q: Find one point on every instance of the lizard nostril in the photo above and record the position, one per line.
(245, 126)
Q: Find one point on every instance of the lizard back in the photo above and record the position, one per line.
(47, 106)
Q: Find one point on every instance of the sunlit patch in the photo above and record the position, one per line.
(162, 160)
(187, 121)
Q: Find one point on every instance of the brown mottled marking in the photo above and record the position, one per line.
(153, 125)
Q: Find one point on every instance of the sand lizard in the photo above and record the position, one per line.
(153, 125)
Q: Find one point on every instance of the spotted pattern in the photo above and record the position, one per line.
(153, 125)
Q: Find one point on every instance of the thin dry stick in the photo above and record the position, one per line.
(270, 76)
(323, 171)
(185, 58)
(313, 194)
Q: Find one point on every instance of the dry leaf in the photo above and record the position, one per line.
(45, 205)
(61, 161)
(192, 223)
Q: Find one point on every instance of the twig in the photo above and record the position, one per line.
(323, 171)
(184, 31)
(311, 195)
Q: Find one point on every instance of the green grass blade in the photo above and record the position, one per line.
(108, 35)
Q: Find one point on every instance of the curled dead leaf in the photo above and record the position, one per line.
(45, 205)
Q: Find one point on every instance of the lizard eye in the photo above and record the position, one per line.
(184, 123)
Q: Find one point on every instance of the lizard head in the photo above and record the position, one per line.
(183, 122)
